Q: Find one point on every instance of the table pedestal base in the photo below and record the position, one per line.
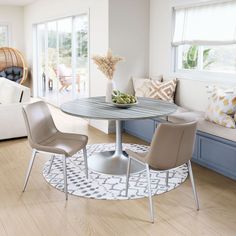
(113, 164)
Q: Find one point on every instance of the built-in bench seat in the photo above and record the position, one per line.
(215, 146)
(204, 125)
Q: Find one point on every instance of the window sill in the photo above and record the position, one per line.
(220, 77)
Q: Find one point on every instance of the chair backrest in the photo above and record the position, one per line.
(39, 123)
(172, 145)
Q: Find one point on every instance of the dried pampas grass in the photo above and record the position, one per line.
(107, 64)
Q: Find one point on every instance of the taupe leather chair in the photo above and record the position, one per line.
(172, 146)
(43, 136)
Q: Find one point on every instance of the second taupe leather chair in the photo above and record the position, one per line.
(43, 136)
(171, 146)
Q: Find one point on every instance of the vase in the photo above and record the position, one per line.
(109, 90)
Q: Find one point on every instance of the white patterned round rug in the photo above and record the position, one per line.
(109, 187)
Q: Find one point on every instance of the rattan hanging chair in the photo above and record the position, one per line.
(12, 65)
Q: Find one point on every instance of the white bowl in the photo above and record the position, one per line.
(128, 105)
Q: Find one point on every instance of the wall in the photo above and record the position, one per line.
(161, 34)
(120, 25)
(44, 10)
(14, 17)
(129, 38)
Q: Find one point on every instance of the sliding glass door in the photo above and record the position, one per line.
(62, 59)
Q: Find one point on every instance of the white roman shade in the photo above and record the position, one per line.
(206, 25)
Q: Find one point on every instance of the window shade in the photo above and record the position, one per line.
(206, 25)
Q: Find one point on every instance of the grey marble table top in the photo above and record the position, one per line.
(97, 108)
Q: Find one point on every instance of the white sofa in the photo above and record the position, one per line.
(12, 98)
(215, 146)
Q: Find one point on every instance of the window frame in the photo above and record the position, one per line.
(210, 76)
(7, 25)
(199, 70)
(36, 92)
(197, 74)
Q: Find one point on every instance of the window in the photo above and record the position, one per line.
(206, 58)
(204, 40)
(62, 59)
(4, 38)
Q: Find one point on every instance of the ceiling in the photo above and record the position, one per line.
(16, 2)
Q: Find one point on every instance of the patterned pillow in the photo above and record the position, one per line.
(141, 85)
(162, 90)
(221, 108)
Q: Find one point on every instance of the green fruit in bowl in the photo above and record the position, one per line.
(128, 100)
(122, 98)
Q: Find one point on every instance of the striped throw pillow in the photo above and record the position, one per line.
(162, 90)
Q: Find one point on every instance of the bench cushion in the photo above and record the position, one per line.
(203, 125)
(217, 130)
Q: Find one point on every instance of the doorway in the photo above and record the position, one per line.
(62, 59)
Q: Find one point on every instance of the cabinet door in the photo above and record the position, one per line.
(142, 129)
(219, 155)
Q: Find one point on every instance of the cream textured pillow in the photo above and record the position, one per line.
(221, 108)
(162, 90)
(140, 86)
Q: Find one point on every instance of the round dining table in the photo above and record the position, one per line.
(115, 162)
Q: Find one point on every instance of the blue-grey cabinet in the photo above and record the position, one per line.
(142, 129)
(210, 151)
(217, 154)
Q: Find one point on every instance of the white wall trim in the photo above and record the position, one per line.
(89, 54)
(62, 16)
(227, 78)
(198, 4)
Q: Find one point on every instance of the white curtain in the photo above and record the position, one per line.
(206, 25)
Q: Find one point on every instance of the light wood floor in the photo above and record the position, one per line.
(42, 210)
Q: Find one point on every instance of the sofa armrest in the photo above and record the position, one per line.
(12, 123)
(11, 92)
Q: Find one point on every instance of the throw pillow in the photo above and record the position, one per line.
(162, 90)
(3, 74)
(221, 108)
(211, 89)
(140, 86)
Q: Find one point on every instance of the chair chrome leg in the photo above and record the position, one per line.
(127, 177)
(51, 162)
(193, 185)
(167, 178)
(34, 152)
(85, 161)
(150, 193)
(65, 176)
